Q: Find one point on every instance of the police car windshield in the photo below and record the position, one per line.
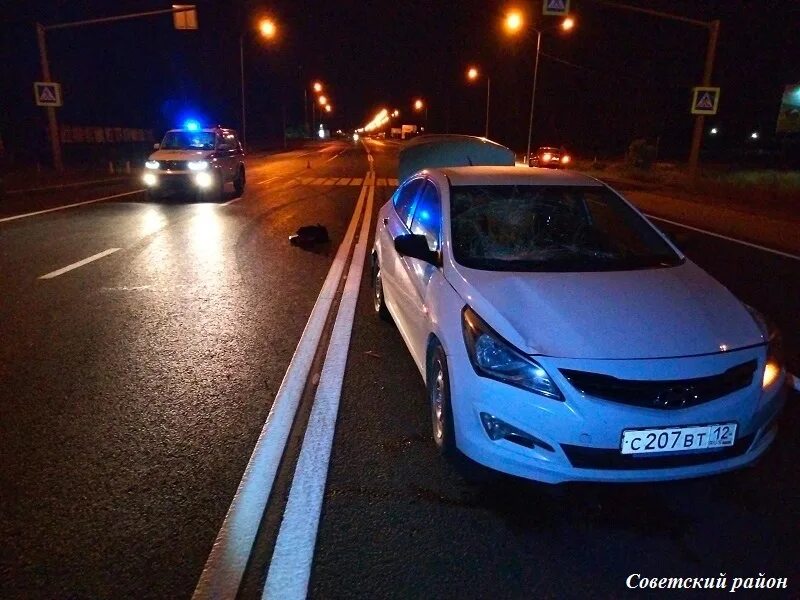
(188, 140)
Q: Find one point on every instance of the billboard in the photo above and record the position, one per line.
(789, 113)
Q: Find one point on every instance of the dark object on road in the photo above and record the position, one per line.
(309, 235)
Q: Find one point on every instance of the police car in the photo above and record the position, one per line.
(196, 160)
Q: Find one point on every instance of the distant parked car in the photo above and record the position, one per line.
(550, 158)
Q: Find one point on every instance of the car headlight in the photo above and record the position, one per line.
(773, 368)
(198, 165)
(546, 157)
(152, 164)
(565, 159)
(491, 356)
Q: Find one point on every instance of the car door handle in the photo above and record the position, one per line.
(385, 221)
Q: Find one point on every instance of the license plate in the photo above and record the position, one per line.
(678, 439)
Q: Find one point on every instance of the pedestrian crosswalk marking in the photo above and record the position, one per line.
(356, 181)
(343, 181)
(392, 182)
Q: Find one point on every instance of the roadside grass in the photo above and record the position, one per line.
(757, 190)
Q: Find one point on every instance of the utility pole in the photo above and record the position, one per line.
(711, 51)
(52, 123)
(699, 120)
(189, 12)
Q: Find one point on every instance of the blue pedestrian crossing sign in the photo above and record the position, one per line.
(555, 7)
(705, 100)
(47, 93)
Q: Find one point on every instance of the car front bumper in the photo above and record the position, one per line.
(579, 439)
(174, 181)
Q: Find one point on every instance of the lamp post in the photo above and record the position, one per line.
(419, 106)
(472, 75)
(268, 30)
(513, 25)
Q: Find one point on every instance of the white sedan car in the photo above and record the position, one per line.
(564, 338)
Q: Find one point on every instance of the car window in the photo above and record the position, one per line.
(404, 200)
(552, 228)
(188, 140)
(427, 216)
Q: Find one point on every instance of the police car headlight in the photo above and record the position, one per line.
(152, 164)
(198, 165)
(149, 179)
(203, 180)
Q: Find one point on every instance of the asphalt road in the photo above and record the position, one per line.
(133, 389)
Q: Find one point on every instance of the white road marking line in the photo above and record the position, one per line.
(290, 568)
(393, 182)
(382, 181)
(725, 237)
(329, 181)
(336, 155)
(306, 180)
(48, 210)
(80, 263)
(231, 201)
(222, 574)
(356, 181)
(268, 180)
(318, 181)
(343, 181)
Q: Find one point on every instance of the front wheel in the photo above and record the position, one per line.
(441, 408)
(379, 303)
(442, 423)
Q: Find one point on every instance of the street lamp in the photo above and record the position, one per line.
(317, 87)
(514, 21)
(322, 100)
(472, 75)
(714, 131)
(513, 24)
(267, 28)
(419, 106)
(268, 31)
(328, 108)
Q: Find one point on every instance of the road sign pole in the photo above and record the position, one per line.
(533, 95)
(699, 121)
(241, 70)
(52, 123)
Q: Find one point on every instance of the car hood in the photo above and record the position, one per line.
(180, 154)
(653, 313)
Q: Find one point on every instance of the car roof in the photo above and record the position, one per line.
(515, 176)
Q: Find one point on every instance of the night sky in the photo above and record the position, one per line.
(617, 76)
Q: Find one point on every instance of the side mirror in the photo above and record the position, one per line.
(416, 246)
(225, 147)
(156, 146)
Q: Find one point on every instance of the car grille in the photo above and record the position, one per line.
(582, 457)
(666, 394)
(172, 165)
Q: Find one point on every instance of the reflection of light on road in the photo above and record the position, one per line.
(205, 236)
(152, 220)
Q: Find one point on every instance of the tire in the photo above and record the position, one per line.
(239, 182)
(378, 300)
(442, 423)
(152, 195)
